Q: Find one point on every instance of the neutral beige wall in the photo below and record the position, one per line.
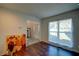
(75, 18)
(12, 22)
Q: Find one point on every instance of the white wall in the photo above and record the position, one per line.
(75, 18)
(13, 22)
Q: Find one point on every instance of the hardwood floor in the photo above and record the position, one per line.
(44, 49)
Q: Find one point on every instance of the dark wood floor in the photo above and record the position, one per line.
(44, 49)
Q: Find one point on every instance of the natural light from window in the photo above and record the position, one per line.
(60, 32)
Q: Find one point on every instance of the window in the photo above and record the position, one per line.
(60, 32)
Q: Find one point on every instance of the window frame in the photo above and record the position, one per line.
(58, 33)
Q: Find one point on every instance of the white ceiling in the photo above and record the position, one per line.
(41, 10)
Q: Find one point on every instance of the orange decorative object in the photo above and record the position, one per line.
(16, 42)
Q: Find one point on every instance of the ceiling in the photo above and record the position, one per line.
(41, 10)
